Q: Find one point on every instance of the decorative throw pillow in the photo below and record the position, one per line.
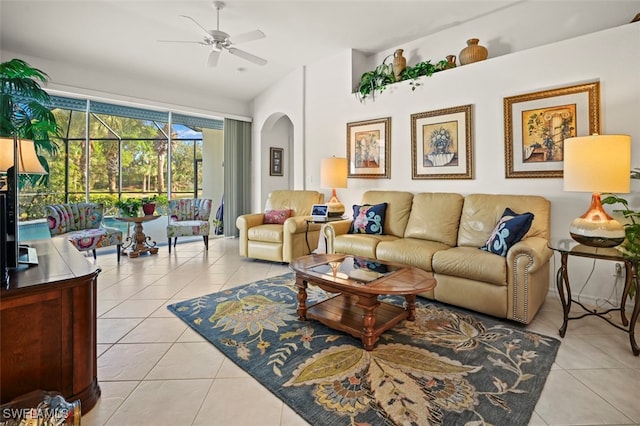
(368, 219)
(277, 216)
(511, 228)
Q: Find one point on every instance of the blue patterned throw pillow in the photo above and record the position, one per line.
(511, 228)
(368, 219)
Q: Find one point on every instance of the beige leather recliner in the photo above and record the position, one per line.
(281, 243)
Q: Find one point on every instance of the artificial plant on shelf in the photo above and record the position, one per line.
(378, 79)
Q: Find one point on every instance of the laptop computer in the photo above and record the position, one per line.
(319, 212)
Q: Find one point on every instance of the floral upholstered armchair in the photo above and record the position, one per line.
(189, 217)
(81, 224)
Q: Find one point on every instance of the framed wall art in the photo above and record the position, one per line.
(442, 144)
(275, 161)
(536, 125)
(369, 148)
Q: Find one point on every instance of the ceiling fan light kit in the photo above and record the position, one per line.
(219, 40)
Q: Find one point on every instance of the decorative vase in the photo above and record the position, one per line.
(399, 63)
(451, 61)
(473, 52)
(148, 209)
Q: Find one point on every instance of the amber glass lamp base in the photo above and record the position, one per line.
(596, 228)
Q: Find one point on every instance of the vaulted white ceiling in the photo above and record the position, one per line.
(121, 37)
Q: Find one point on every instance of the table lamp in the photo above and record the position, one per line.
(597, 164)
(28, 162)
(333, 174)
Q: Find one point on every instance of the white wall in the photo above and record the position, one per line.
(610, 56)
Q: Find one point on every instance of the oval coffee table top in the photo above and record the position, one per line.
(362, 275)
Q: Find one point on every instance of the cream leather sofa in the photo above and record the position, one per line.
(443, 233)
(281, 243)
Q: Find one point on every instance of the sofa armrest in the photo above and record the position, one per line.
(244, 223)
(340, 226)
(527, 278)
(298, 225)
(535, 248)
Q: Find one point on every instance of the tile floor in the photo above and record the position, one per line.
(154, 370)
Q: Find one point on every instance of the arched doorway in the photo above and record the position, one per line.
(276, 133)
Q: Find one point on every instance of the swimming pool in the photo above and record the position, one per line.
(39, 230)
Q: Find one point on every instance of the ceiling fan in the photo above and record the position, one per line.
(219, 40)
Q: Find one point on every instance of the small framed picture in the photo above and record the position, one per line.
(275, 163)
(536, 125)
(369, 148)
(442, 144)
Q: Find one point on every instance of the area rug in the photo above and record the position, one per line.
(448, 367)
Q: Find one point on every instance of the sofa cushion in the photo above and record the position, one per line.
(398, 209)
(481, 212)
(471, 263)
(300, 201)
(360, 244)
(277, 216)
(410, 251)
(435, 217)
(266, 233)
(368, 219)
(510, 229)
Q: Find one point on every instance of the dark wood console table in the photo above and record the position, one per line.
(48, 326)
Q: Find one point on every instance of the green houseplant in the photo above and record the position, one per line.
(631, 244)
(23, 107)
(382, 76)
(129, 207)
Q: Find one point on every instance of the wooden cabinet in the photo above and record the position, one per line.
(48, 326)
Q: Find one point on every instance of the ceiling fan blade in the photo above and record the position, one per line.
(245, 37)
(213, 58)
(182, 41)
(246, 55)
(196, 22)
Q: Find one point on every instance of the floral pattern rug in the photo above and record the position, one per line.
(448, 367)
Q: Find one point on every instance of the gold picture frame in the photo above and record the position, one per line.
(275, 161)
(369, 148)
(536, 124)
(442, 144)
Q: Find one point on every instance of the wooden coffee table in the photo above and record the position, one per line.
(359, 281)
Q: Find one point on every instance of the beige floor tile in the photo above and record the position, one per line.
(119, 292)
(239, 402)
(105, 305)
(162, 402)
(111, 330)
(156, 292)
(188, 361)
(112, 397)
(566, 401)
(230, 370)
(573, 348)
(131, 361)
(190, 335)
(156, 330)
(291, 418)
(134, 309)
(609, 384)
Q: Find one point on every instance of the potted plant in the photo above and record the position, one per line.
(24, 112)
(148, 204)
(379, 78)
(631, 244)
(129, 207)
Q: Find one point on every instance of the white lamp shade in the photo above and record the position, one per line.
(333, 172)
(597, 163)
(28, 162)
